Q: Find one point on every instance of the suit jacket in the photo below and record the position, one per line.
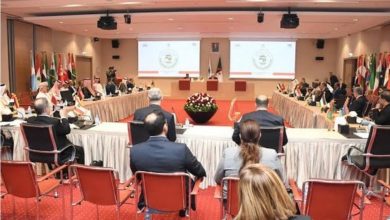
(140, 115)
(382, 117)
(231, 163)
(60, 128)
(158, 154)
(264, 119)
(358, 105)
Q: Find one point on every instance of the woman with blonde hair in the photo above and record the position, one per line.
(234, 158)
(263, 196)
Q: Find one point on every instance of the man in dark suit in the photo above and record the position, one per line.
(358, 104)
(155, 97)
(264, 119)
(381, 113)
(158, 154)
(60, 128)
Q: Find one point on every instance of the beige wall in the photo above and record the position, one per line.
(305, 63)
(371, 41)
(4, 51)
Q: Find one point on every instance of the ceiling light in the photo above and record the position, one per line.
(336, 29)
(355, 20)
(72, 5)
(260, 17)
(179, 28)
(85, 30)
(170, 19)
(130, 3)
(61, 22)
(127, 18)
(231, 18)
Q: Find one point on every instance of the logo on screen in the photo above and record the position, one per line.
(168, 58)
(262, 59)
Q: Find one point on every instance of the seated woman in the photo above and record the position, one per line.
(249, 152)
(263, 196)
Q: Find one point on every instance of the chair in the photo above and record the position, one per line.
(231, 206)
(240, 86)
(99, 186)
(272, 137)
(137, 132)
(166, 192)
(367, 109)
(20, 180)
(328, 199)
(184, 84)
(376, 154)
(41, 145)
(212, 85)
(385, 189)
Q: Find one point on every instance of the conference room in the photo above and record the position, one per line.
(220, 109)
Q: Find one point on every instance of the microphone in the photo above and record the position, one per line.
(174, 115)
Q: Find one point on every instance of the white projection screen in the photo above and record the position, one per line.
(168, 58)
(262, 59)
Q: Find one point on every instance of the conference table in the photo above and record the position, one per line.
(113, 109)
(310, 153)
(298, 113)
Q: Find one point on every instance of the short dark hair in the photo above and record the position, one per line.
(385, 95)
(359, 90)
(154, 123)
(40, 105)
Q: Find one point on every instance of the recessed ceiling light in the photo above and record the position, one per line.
(179, 28)
(336, 29)
(130, 29)
(170, 19)
(61, 22)
(72, 5)
(130, 3)
(231, 18)
(85, 30)
(355, 20)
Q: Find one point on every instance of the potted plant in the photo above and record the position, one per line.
(200, 107)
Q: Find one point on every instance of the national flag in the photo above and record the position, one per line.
(372, 67)
(361, 72)
(45, 67)
(52, 72)
(65, 68)
(69, 65)
(219, 67)
(73, 64)
(210, 70)
(387, 72)
(33, 79)
(37, 69)
(379, 70)
(60, 69)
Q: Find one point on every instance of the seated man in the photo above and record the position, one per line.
(60, 127)
(381, 113)
(155, 98)
(358, 104)
(262, 117)
(160, 155)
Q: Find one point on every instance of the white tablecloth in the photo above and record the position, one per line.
(310, 153)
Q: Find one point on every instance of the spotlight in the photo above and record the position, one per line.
(127, 18)
(260, 17)
(289, 21)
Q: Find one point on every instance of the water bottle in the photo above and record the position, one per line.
(97, 120)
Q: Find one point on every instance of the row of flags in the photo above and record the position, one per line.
(218, 70)
(373, 72)
(62, 67)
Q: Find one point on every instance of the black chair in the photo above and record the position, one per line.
(339, 102)
(272, 137)
(375, 156)
(137, 132)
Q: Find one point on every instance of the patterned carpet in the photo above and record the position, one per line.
(51, 208)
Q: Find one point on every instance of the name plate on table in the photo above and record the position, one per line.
(180, 130)
(356, 133)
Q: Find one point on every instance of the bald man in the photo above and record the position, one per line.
(158, 154)
(264, 119)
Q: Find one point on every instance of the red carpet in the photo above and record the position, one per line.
(221, 116)
(51, 208)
